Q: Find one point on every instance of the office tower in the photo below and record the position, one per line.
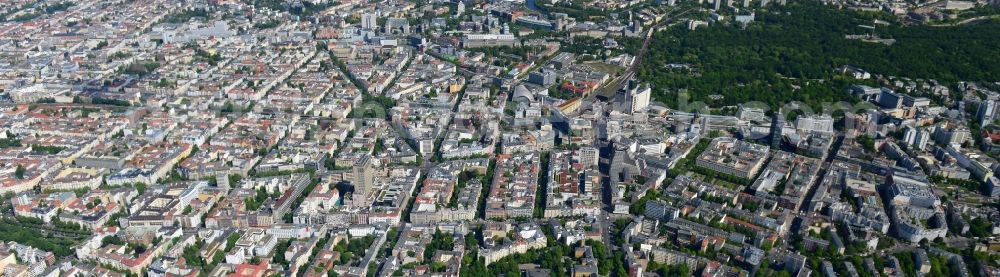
(369, 21)
(889, 99)
(364, 178)
(910, 137)
(633, 97)
(922, 138)
(589, 156)
(591, 182)
(986, 111)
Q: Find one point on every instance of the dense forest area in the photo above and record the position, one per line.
(789, 54)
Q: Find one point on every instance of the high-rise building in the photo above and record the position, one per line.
(987, 110)
(589, 156)
(889, 99)
(993, 186)
(922, 138)
(949, 134)
(910, 137)
(591, 182)
(364, 179)
(633, 97)
(543, 77)
(369, 21)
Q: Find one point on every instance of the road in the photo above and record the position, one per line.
(604, 220)
(966, 21)
(821, 173)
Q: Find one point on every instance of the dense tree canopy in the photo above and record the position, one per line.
(790, 53)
